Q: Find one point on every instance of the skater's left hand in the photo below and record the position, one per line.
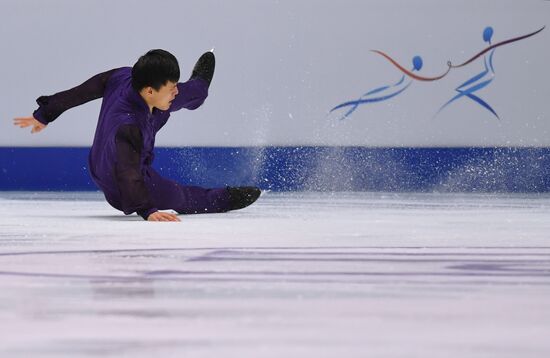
(160, 216)
(23, 122)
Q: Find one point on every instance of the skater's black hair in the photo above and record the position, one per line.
(154, 69)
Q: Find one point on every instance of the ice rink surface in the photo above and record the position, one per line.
(295, 275)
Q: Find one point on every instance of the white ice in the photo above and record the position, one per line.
(295, 275)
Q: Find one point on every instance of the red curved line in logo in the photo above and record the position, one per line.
(497, 45)
(409, 73)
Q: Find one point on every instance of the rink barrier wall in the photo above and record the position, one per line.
(299, 168)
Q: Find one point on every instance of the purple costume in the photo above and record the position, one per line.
(122, 152)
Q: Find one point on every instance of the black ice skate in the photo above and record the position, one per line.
(204, 68)
(243, 196)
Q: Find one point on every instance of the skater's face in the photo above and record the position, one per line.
(161, 99)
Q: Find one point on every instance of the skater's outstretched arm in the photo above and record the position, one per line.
(51, 107)
(134, 194)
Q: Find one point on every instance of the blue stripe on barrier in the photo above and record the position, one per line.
(300, 168)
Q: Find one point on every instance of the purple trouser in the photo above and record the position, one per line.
(167, 194)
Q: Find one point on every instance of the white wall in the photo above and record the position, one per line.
(283, 64)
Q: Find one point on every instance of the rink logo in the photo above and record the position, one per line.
(467, 90)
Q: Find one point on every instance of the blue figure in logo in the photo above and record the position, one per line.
(479, 81)
(382, 93)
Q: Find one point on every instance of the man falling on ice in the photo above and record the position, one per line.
(137, 102)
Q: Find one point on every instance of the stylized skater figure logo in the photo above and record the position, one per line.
(467, 89)
(382, 93)
(479, 81)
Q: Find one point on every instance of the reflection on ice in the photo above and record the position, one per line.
(297, 274)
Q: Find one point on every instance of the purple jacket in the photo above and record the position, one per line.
(122, 152)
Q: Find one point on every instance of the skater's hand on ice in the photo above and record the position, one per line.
(158, 216)
(23, 122)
